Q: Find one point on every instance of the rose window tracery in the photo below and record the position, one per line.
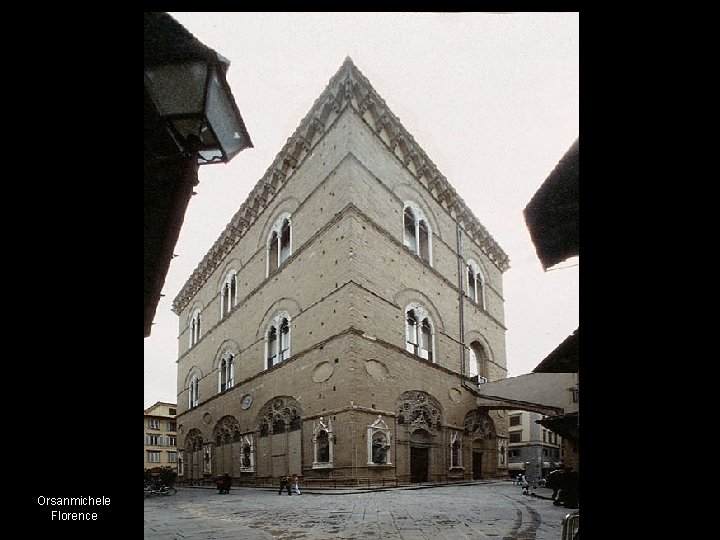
(280, 415)
(227, 430)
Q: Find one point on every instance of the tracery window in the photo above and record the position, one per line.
(195, 327)
(279, 244)
(194, 391)
(277, 340)
(226, 371)
(419, 332)
(417, 236)
(228, 293)
(475, 283)
(477, 361)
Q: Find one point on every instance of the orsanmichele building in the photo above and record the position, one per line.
(338, 327)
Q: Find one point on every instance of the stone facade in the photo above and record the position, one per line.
(335, 328)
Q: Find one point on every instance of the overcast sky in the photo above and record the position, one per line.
(492, 99)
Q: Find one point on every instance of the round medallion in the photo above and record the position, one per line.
(322, 372)
(246, 401)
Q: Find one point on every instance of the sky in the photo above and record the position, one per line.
(492, 99)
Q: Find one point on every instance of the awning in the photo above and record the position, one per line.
(565, 425)
(552, 215)
(500, 403)
(565, 358)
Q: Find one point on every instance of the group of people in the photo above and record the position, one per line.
(223, 483)
(564, 481)
(290, 483)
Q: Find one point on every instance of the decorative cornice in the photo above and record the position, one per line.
(348, 88)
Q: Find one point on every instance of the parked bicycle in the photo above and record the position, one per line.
(159, 489)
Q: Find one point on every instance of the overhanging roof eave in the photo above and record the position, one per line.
(501, 403)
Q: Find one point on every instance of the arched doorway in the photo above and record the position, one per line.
(419, 418)
(480, 429)
(420, 444)
(477, 460)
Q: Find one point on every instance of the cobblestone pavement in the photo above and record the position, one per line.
(485, 510)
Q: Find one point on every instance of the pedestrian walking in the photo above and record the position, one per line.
(554, 481)
(284, 485)
(294, 482)
(525, 485)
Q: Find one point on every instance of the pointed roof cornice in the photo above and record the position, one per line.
(348, 88)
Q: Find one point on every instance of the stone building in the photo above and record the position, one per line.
(339, 326)
(532, 449)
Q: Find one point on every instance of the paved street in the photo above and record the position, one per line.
(485, 510)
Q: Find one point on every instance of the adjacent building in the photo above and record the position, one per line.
(532, 449)
(161, 436)
(553, 220)
(340, 325)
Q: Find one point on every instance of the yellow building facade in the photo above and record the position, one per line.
(160, 436)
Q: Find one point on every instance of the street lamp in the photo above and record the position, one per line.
(193, 98)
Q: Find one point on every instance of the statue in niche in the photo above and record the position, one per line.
(379, 450)
(323, 447)
(455, 454)
(246, 456)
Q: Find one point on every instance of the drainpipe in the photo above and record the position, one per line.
(461, 301)
(461, 310)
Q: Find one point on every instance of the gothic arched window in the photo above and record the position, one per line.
(226, 372)
(194, 391)
(277, 340)
(279, 245)
(417, 236)
(195, 327)
(228, 294)
(477, 361)
(419, 333)
(475, 283)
